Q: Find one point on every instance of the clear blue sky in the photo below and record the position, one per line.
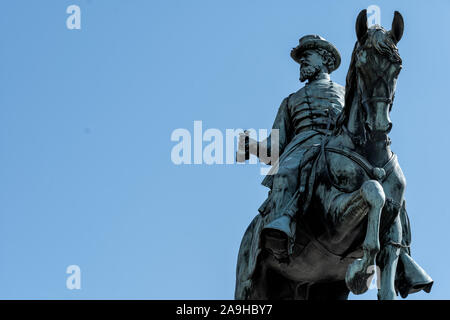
(86, 118)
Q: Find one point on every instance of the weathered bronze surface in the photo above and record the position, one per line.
(336, 204)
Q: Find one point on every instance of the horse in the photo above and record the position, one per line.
(351, 213)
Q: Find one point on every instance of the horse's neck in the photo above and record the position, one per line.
(355, 123)
(376, 152)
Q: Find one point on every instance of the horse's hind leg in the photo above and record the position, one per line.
(268, 284)
(387, 260)
(357, 273)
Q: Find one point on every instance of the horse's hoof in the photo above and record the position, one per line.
(357, 277)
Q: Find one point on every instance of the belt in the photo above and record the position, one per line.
(314, 127)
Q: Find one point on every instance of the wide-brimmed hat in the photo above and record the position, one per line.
(313, 42)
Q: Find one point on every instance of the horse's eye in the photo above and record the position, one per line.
(362, 57)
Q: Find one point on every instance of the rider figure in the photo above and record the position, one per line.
(303, 119)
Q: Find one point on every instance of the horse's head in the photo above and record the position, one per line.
(377, 65)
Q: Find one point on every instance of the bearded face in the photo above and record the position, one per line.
(308, 72)
(311, 63)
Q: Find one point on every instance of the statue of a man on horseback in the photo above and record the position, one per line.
(336, 203)
(303, 118)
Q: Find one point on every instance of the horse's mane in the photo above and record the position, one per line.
(379, 39)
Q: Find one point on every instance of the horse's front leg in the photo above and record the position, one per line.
(372, 195)
(388, 259)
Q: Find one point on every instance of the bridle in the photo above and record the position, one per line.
(377, 173)
(364, 99)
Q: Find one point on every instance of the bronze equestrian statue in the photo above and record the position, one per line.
(336, 203)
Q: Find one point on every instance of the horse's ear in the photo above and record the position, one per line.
(361, 25)
(397, 27)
